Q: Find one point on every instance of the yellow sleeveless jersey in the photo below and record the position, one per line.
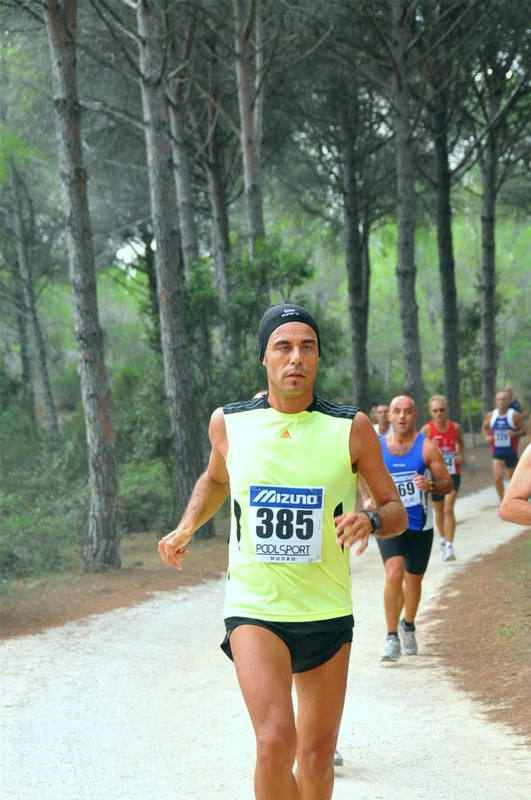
(290, 474)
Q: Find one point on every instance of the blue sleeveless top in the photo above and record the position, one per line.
(402, 469)
(501, 428)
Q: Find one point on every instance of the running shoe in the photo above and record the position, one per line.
(407, 640)
(391, 651)
(448, 554)
(443, 548)
(338, 759)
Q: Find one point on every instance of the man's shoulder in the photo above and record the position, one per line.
(331, 409)
(241, 406)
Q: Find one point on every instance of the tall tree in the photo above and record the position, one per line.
(102, 549)
(357, 265)
(451, 53)
(406, 202)
(176, 94)
(152, 45)
(250, 100)
(501, 82)
(22, 236)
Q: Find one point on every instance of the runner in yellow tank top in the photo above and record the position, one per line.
(288, 460)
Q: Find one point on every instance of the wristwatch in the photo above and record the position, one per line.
(431, 486)
(375, 520)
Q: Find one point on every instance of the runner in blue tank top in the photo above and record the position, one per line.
(417, 467)
(502, 429)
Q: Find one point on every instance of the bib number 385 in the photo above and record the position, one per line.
(286, 523)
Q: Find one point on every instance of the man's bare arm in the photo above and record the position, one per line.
(485, 429)
(442, 482)
(208, 496)
(367, 460)
(520, 427)
(460, 449)
(515, 506)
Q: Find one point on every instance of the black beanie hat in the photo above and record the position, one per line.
(279, 315)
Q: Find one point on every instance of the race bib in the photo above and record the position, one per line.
(407, 488)
(449, 460)
(502, 438)
(286, 523)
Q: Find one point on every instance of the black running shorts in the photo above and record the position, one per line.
(511, 459)
(413, 546)
(456, 479)
(310, 644)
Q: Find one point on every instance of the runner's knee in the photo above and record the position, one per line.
(394, 572)
(318, 759)
(276, 747)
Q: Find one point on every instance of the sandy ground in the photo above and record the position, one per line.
(140, 703)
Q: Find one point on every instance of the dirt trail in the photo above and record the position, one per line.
(140, 703)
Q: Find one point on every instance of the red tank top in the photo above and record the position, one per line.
(447, 443)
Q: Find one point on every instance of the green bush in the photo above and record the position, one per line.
(42, 526)
(145, 497)
(67, 388)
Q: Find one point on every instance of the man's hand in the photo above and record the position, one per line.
(353, 527)
(172, 548)
(421, 482)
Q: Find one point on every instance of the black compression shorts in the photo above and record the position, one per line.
(310, 644)
(413, 546)
(456, 480)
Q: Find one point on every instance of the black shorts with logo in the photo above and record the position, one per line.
(413, 546)
(310, 644)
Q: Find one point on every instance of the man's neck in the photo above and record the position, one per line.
(408, 440)
(290, 405)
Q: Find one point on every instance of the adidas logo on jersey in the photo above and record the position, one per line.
(285, 435)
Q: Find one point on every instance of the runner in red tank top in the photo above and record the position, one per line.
(447, 435)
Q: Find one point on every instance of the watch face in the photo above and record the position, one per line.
(376, 522)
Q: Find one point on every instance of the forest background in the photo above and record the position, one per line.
(169, 169)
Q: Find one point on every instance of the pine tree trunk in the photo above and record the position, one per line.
(39, 350)
(220, 218)
(249, 105)
(443, 213)
(170, 272)
(406, 201)
(25, 357)
(102, 548)
(213, 164)
(489, 351)
(183, 181)
(357, 283)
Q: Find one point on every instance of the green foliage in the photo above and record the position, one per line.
(66, 388)
(148, 492)
(44, 496)
(141, 416)
(42, 524)
(13, 147)
(16, 444)
(43, 504)
(146, 502)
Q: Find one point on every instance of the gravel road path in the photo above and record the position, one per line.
(140, 703)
